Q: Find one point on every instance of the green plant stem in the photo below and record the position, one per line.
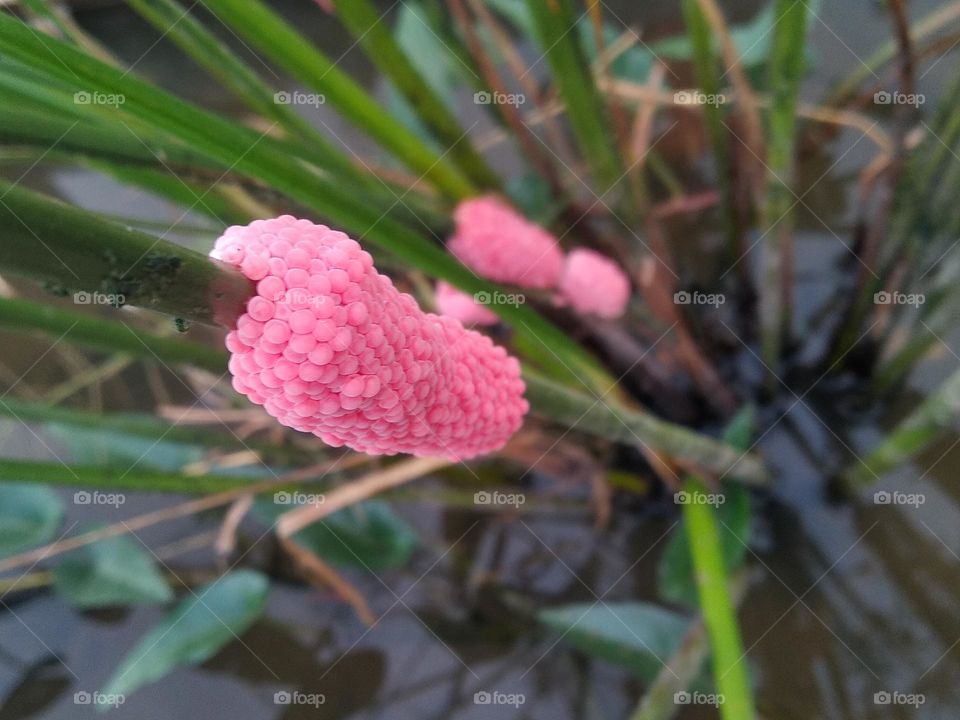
(684, 667)
(719, 610)
(95, 477)
(554, 23)
(109, 336)
(268, 32)
(371, 31)
(75, 251)
(636, 427)
(920, 428)
(786, 70)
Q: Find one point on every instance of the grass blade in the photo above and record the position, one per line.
(111, 337)
(554, 22)
(716, 604)
(786, 70)
(268, 32)
(370, 30)
(911, 436)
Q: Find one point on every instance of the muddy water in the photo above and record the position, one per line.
(848, 599)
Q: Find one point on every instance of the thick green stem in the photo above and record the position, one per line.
(718, 608)
(636, 427)
(73, 251)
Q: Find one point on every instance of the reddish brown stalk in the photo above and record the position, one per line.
(519, 69)
(508, 111)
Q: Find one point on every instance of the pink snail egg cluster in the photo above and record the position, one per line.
(498, 243)
(592, 284)
(456, 304)
(329, 346)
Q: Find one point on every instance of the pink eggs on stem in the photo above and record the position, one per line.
(329, 346)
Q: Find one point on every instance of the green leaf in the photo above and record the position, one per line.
(533, 196)
(195, 631)
(367, 535)
(29, 516)
(116, 571)
(115, 449)
(636, 635)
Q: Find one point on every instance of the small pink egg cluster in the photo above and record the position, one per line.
(499, 244)
(457, 304)
(592, 284)
(329, 346)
